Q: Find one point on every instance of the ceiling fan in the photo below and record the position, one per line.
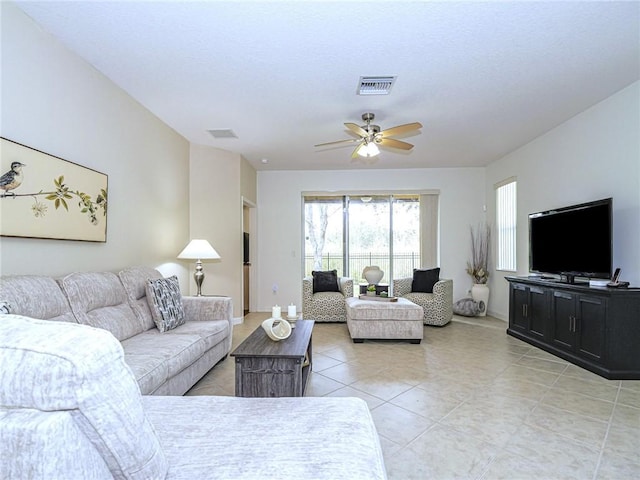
(371, 136)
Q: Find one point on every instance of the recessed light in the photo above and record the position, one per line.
(264, 160)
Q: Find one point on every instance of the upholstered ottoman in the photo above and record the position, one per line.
(375, 319)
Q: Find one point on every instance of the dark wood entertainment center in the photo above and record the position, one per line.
(594, 328)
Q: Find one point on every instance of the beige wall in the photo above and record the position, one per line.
(55, 102)
(216, 184)
(248, 182)
(594, 155)
(280, 227)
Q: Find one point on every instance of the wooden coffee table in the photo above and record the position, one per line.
(265, 368)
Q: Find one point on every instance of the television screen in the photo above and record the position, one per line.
(572, 241)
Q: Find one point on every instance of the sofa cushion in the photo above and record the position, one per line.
(151, 363)
(58, 366)
(165, 302)
(424, 280)
(150, 371)
(98, 299)
(288, 438)
(134, 280)
(177, 351)
(326, 281)
(35, 296)
(212, 332)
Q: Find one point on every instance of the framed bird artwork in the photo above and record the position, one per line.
(44, 196)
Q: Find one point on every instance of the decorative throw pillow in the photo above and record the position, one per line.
(325, 281)
(165, 302)
(5, 308)
(424, 280)
(468, 307)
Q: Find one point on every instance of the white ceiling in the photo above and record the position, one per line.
(482, 77)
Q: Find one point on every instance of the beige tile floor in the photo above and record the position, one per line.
(472, 402)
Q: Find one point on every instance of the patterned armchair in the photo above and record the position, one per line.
(437, 306)
(326, 306)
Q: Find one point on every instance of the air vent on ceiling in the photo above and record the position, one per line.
(222, 133)
(380, 85)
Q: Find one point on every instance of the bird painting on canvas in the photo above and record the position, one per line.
(12, 179)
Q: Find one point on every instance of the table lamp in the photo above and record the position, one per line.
(199, 250)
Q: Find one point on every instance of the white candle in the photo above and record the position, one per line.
(291, 310)
(275, 312)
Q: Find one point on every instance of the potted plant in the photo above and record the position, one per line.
(371, 291)
(478, 267)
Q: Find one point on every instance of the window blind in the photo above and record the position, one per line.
(506, 214)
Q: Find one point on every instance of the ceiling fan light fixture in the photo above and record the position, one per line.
(368, 149)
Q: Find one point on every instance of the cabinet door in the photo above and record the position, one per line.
(563, 313)
(590, 331)
(538, 312)
(518, 310)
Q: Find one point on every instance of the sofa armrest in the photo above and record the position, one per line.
(208, 308)
(443, 290)
(346, 286)
(307, 290)
(402, 286)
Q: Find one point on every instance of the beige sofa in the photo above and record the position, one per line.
(168, 363)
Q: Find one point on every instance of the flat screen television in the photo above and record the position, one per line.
(574, 241)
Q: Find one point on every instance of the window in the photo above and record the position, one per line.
(506, 225)
(350, 232)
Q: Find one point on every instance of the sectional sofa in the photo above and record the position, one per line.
(71, 405)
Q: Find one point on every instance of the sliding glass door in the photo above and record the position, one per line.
(369, 242)
(350, 232)
(324, 234)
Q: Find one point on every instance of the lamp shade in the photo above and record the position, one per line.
(199, 250)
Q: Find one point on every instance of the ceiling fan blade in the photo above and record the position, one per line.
(354, 155)
(408, 127)
(351, 140)
(392, 142)
(357, 129)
